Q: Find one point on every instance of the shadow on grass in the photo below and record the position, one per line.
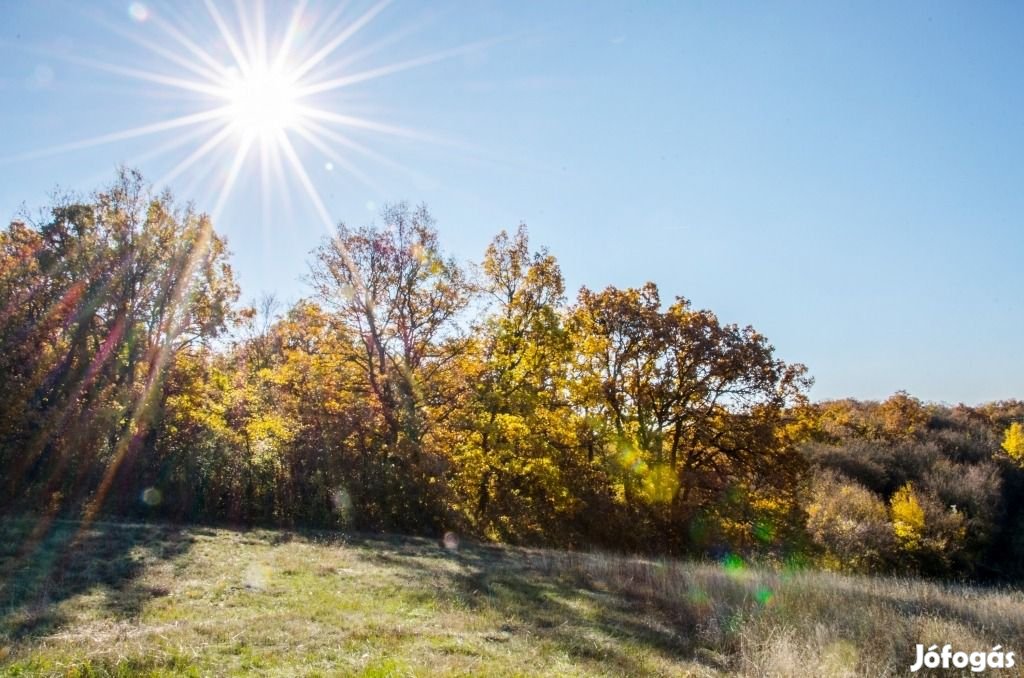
(43, 564)
(562, 608)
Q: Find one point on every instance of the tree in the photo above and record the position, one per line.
(514, 440)
(902, 415)
(685, 408)
(907, 518)
(1013, 442)
(396, 293)
(108, 291)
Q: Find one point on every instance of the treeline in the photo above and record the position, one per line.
(417, 394)
(901, 486)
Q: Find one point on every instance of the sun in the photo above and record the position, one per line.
(261, 90)
(263, 102)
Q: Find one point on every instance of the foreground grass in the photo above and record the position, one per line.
(120, 599)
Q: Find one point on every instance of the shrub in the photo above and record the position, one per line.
(850, 524)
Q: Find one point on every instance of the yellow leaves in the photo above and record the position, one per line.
(907, 517)
(630, 460)
(802, 424)
(655, 483)
(1013, 442)
(198, 409)
(928, 533)
(269, 427)
(659, 484)
(511, 427)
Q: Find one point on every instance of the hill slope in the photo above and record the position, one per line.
(153, 599)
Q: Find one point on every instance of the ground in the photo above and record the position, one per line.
(137, 599)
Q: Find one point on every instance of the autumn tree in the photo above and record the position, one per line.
(1013, 442)
(515, 443)
(109, 291)
(684, 407)
(333, 465)
(400, 297)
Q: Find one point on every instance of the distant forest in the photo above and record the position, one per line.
(413, 393)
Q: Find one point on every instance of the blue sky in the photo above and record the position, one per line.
(844, 176)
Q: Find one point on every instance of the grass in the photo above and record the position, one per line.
(129, 599)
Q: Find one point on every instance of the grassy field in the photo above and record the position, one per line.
(123, 599)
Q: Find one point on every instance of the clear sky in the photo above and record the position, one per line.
(847, 177)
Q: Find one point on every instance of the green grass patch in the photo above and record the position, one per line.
(111, 599)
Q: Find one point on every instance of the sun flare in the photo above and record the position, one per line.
(262, 102)
(266, 88)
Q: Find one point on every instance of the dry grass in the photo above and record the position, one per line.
(117, 599)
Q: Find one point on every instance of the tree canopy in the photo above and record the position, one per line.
(417, 393)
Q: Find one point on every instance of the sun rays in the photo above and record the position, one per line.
(264, 93)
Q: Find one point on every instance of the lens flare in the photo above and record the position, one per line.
(152, 496)
(138, 11)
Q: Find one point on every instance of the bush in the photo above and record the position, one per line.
(850, 524)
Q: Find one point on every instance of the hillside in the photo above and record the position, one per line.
(129, 599)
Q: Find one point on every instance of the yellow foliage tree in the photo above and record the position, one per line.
(907, 518)
(1013, 442)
